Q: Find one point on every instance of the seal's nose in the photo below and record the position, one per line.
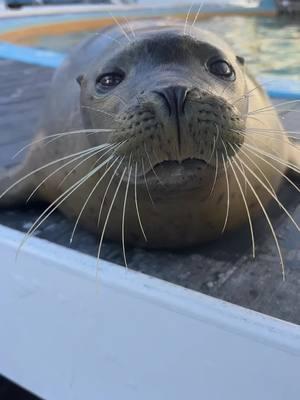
(174, 98)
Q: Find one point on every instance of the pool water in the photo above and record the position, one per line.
(271, 46)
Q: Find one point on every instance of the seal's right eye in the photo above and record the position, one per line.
(108, 81)
(222, 69)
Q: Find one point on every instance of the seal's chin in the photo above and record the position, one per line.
(177, 176)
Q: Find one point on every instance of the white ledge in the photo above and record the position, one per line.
(67, 335)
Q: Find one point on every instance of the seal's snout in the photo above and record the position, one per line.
(174, 98)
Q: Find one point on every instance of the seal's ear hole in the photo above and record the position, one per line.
(79, 79)
(240, 60)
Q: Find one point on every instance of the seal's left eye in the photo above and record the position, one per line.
(108, 81)
(222, 69)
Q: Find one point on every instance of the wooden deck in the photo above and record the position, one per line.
(224, 269)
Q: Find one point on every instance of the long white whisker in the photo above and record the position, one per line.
(213, 150)
(109, 212)
(83, 152)
(273, 157)
(270, 192)
(60, 199)
(276, 169)
(245, 203)
(130, 26)
(215, 177)
(228, 194)
(121, 27)
(107, 189)
(113, 147)
(146, 183)
(187, 18)
(268, 220)
(124, 212)
(89, 196)
(260, 170)
(274, 106)
(136, 203)
(197, 15)
(90, 155)
(57, 136)
(151, 166)
(100, 111)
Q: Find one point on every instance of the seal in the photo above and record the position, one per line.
(155, 135)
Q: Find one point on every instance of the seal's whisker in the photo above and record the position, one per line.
(57, 136)
(121, 27)
(146, 183)
(276, 131)
(187, 19)
(268, 221)
(294, 145)
(83, 152)
(216, 175)
(283, 139)
(279, 112)
(151, 166)
(260, 170)
(89, 196)
(213, 150)
(120, 98)
(276, 169)
(276, 136)
(269, 191)
(100, 111)
(129, 26)
(63, 166)
(243, 169)
(255, 119)
(197, 15)
(228, 192)
(275, 106)
(59, 200)
(256, 139)
(246, 95)
(108, 214)
(108, 36)
(273, 157)
(227, 88)
(215, 140)
(115, 148)
(107, 189)
(259, 86)
(136, 203)
(124, 211)
(245, 203)
(109, 147)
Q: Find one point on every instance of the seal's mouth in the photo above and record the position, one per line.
(180, 175)
(188, 163)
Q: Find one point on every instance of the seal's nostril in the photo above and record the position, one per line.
(168, 102)
(174, 98)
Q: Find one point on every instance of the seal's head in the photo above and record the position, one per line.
(170, 97)
(175, 100)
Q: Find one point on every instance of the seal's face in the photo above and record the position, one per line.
(175, 101)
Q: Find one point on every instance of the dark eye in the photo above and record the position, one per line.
(108, 81)
(222, 69)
